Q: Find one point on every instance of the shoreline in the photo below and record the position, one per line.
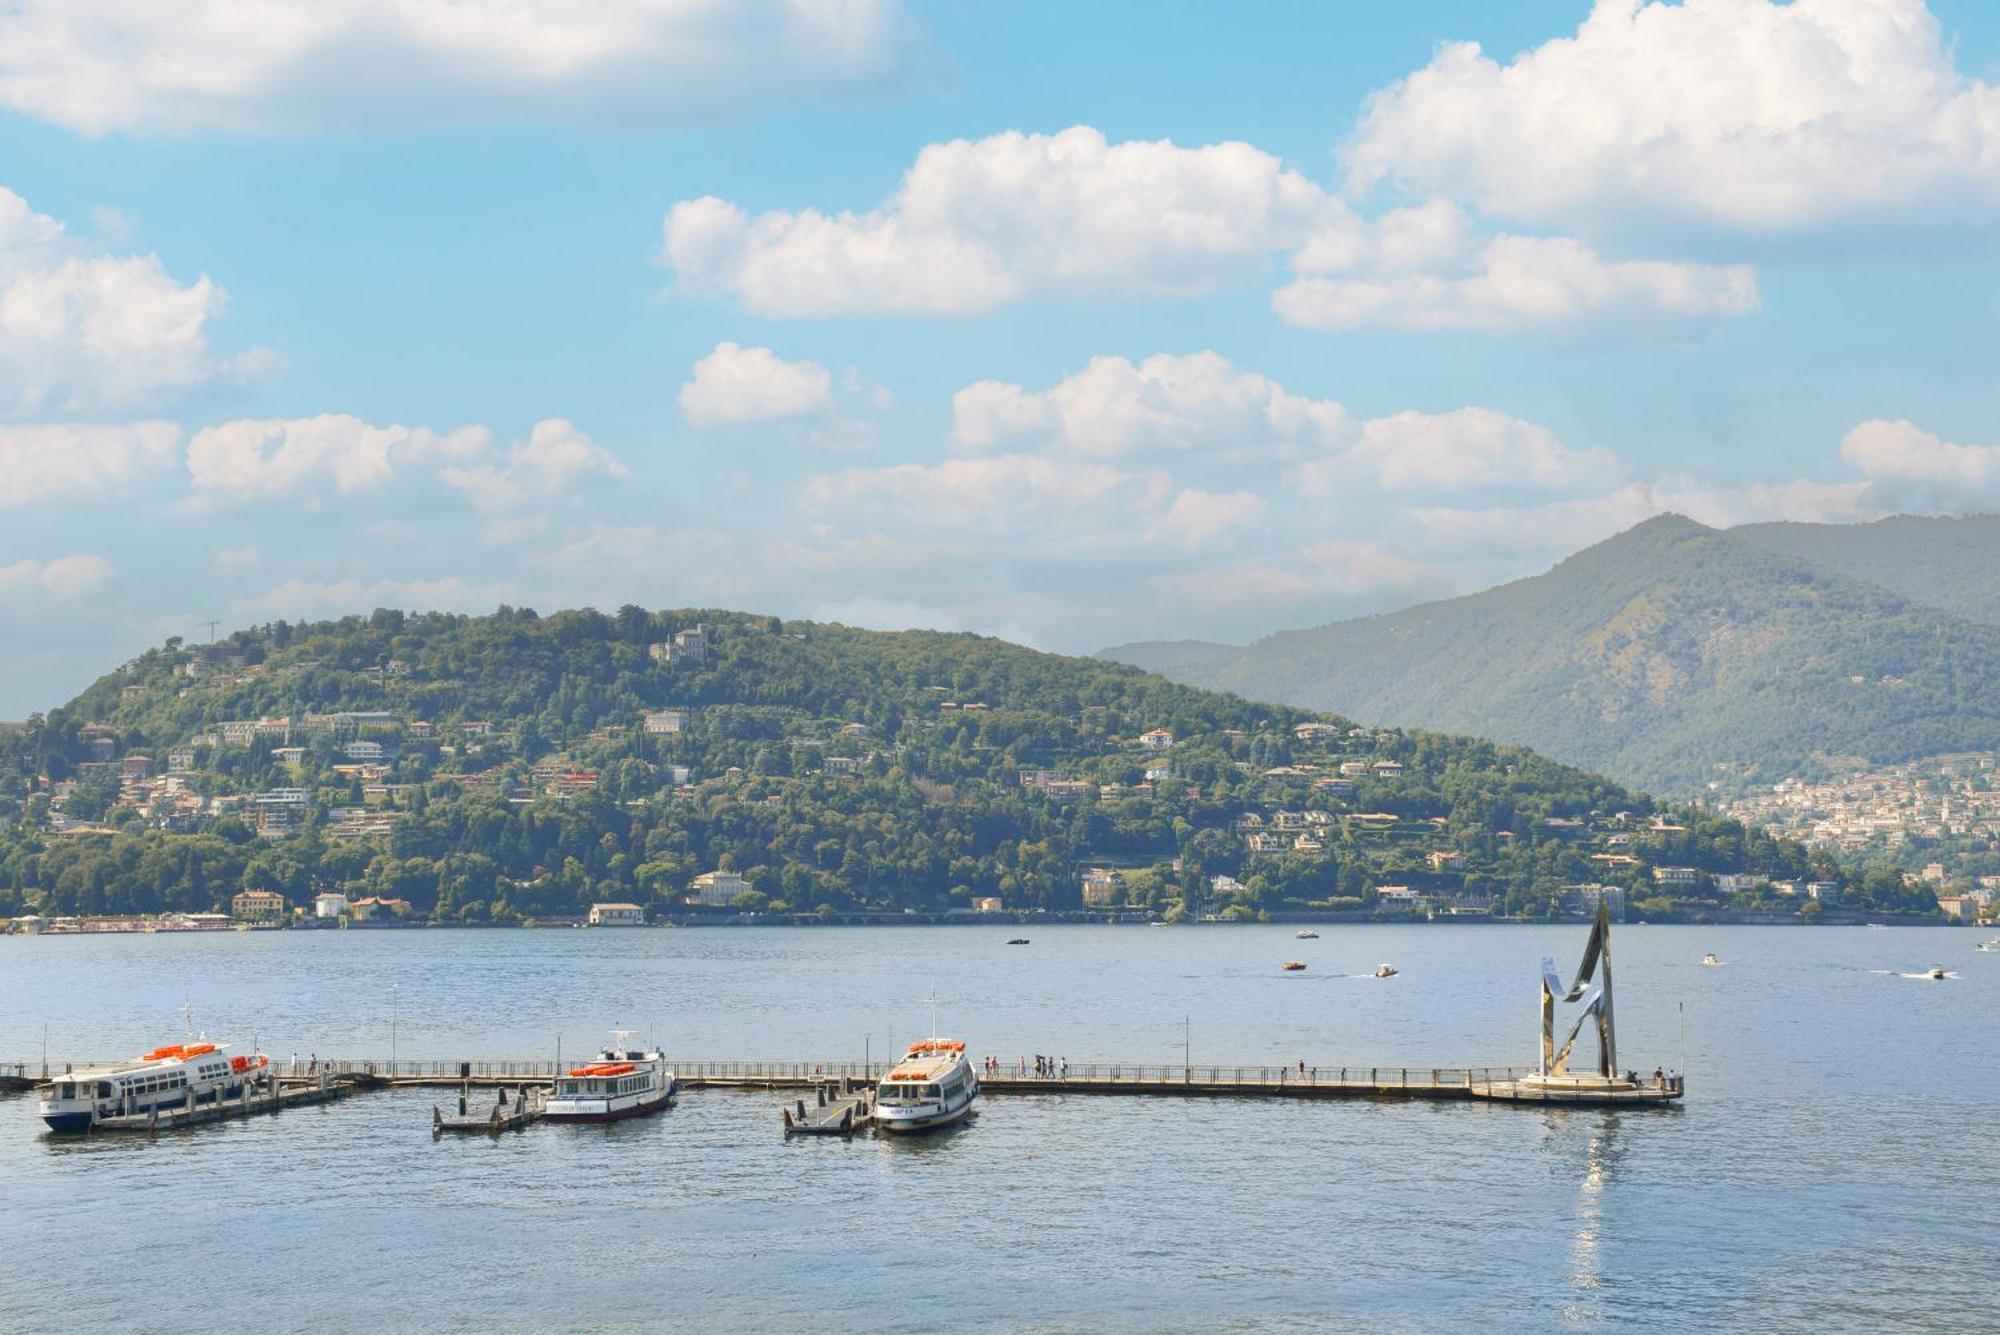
(1721, 918)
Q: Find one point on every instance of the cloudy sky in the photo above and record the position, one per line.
(1070, 323)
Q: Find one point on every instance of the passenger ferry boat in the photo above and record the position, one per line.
(624, 1081)
(164, 1078)
(931, 1087)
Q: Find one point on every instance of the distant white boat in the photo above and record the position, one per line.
(1936, 972)
(1989, 946)
(1386, 971)
(1308, 936)
(1711, 961)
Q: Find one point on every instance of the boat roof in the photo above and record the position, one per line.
(138, 1064)
(928, 1059)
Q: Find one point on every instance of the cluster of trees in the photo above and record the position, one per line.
(928, 811)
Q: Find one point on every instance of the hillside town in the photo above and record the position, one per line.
(1937, 818)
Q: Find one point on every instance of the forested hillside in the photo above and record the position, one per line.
(517, 765)
(1672, 656)
(1950, 562)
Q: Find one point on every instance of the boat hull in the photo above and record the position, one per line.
(916, 1126)
(642, 1108)
(69, 1123)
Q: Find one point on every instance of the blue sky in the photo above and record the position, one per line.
(1074, 324)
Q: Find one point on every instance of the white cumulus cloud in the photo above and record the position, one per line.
(82, 330)
(1201, 401)
(1199, 520)
(978, 224)
(1735, 114)
(279, 66)
(63, 577)
(1461, 450)
(336, 454)
(555, 457)
(1009, 493)
(1525, 283)
(1115, 406)
(61, 461)
(735, 385)
(314, 459)
(1901, 451)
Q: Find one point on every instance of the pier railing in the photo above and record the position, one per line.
(707, 1071)
(1008, 1074)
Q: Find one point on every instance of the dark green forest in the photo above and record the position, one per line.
(506, 772)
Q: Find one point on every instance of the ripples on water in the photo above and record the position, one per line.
(1823, 1176)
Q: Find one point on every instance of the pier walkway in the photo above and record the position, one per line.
(1413, 1083)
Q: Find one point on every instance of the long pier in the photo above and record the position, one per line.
(1396, 1083)
(1101, 1078)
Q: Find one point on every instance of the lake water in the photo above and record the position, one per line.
(1831, 1168)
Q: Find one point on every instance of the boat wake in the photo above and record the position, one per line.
(1924, 975)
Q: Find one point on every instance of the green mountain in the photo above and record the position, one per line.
(1950, 562)
(1671, 656)
(517, 765)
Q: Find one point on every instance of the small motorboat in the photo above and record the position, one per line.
(1935, 973)
(1711, 960)
(1386, 971)
(1018, 941)
(1989, 947)
(1308, 936)
(1295, 966)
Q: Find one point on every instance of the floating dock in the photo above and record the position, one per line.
(525, 1110)
(273, 1098)
(840, 1108)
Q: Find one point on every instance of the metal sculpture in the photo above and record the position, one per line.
(1596, 962)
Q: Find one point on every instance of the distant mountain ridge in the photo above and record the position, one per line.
(1673, 654)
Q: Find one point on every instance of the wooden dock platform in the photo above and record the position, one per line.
(275, 1098)
(840, 1108)
(525, 1110)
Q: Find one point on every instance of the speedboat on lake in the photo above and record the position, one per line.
(1294, 966)
(1386, 971)
(932, 1086)
(1935, 973)
(624, 1081)
(1308, 936)
(1711, 961)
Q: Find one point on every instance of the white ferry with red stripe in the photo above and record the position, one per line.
(624, 1081)
(174, 1076)
(933, 1086)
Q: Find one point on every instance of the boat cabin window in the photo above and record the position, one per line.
(928, 1092)
(66, 1090)
(104, 1089)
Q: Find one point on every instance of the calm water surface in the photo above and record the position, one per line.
(1826, 1173)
